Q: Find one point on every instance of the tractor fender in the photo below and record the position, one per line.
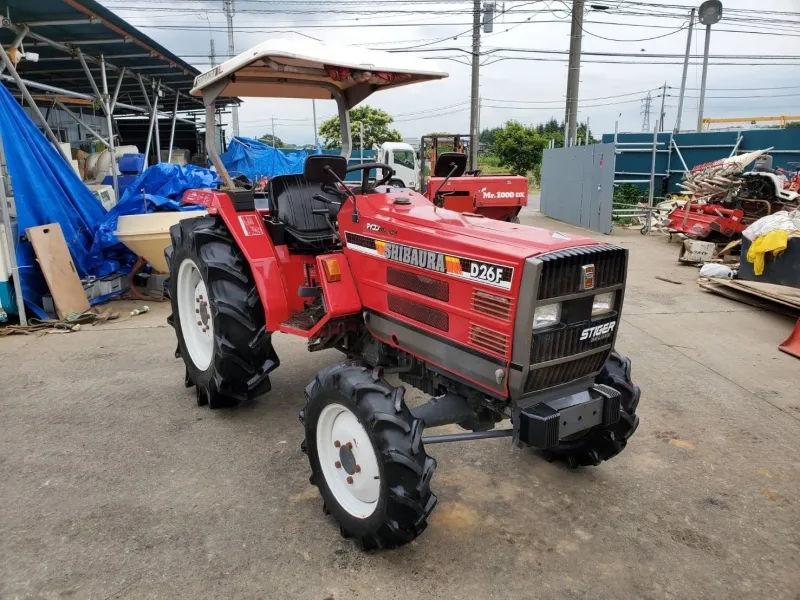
(247, 229)
(341, 297)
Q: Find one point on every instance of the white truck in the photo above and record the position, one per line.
(403, 159)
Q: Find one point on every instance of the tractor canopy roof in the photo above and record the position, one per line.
(290, 69)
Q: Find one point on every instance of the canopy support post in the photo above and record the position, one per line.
(210, 95)
(149, 131)
(172, 131)
(109, 121)
(344, 123)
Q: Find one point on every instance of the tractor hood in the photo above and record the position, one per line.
(481, 233)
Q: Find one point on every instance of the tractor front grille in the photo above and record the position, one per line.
(486, 339)
(565, 355)
(546, 377)
(561, 270)
(566, 340)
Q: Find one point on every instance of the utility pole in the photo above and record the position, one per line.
(574, 70)
(685, 71)
(273, 131)
(662, 114)
(475, 106)
(212, 56)
(314, 110)
(229, 6)
(647, 104)
(361, 139)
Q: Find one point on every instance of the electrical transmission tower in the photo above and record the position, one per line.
(647, 104)
(229, 6)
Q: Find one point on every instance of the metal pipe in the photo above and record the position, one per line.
(685, 71)
(89, 75)
(736, 147)
(157, 124)
(82, 123)
(117, 89)
(110, 125)
(12, 251)
(651, 193)
(703, 80)
(59, 23)
(314, 113)
(29, 99)
(149, 138)
(678, 150)
(17, 41)
(344, 124)
(211, 145)
(172, 132)
(467, 436)
(144, 91)
(48, 88)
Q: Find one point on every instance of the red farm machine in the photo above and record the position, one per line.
(723, 200)
(496, 322)
(449, 185)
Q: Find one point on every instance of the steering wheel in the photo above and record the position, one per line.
(387, 170)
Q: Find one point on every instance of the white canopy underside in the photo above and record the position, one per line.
(290, 69)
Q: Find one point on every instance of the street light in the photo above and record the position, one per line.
(709, 13)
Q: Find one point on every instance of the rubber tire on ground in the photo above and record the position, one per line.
(397, 183)
(602, 443)
(405, 499)
(243, 353)
(514, 219)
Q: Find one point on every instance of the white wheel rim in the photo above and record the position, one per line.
(351, 467)
(194, 312)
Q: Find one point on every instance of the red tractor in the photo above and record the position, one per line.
(494, 321)
(451, 186)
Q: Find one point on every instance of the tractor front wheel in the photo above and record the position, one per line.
(367, 456)
(217, 314)
(604, 442)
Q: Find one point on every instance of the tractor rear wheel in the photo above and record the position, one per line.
(367, 456)
(602, 443)
(217, 315)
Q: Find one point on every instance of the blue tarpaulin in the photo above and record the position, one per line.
(254, 159)
(46, 190)
(159, 188)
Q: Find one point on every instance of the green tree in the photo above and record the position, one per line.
(376, 128)
(489, 136)
(519, 147)
(267, 139)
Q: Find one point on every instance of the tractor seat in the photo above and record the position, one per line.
(446, 161)
(292, 198)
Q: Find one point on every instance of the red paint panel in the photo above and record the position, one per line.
(341, 297)
(257, 249)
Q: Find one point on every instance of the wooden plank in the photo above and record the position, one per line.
(55, 261)
(749, 299)
(780, 293)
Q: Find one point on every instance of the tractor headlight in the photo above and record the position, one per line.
(545, 316)
(603, 304)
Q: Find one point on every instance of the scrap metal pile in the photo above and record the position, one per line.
(722, 200)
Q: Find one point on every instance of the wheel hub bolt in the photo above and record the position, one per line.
(338, 464)
(200, 323)
(349, 445)
(349, 479)
(337, 443)
(357, 469)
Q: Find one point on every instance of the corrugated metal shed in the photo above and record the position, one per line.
(87, 25)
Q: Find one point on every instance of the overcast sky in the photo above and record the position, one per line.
(508, 80)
